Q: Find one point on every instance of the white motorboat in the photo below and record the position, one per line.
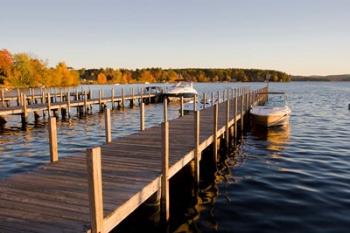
(182, 89)
(274, 113)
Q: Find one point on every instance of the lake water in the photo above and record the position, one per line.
(294, 179)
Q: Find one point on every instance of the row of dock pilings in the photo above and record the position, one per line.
(239, 99)
(51, 104)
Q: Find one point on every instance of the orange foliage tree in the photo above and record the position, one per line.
(101, 78)
(146, 76)
(5, 64)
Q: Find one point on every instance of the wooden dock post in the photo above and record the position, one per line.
(61, 95)
(242, 111)
(42, 96)
(108, 125)
(3, 97)
(123, 98)
(212, 99)
(196, 147)
(76, 94)
(182, 106)
(195, 105)
(141, 95)
(149, 96)
(85, 103)
(53, 140)
(142, 116)
(48, 104)
(204, 101)
(36, 117)
(215, 132)
(94, 170)
(132, 98)
(90, 94)
(100, 100)
(68, 103)
(112, 97)
(235, 113)
(18, 97)
(24, 115)
(165, 214)
(227, 135)
(32, 95)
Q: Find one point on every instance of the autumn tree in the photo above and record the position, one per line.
(65, 76)
(127, 77)
(146, 76)
(5, 64)
(117, 76)
(23, 72)
(101, 78)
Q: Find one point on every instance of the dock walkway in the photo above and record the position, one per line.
(55, 197)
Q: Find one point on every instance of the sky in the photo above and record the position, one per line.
(300, 37)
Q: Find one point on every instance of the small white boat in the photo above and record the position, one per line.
(274, 113)
(183, 89)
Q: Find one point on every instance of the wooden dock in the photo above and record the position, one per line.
(51, 102)
(97, 190)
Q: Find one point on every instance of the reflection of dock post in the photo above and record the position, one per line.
(2, 123)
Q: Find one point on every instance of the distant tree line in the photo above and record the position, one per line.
(22, 70)
(150, 75)
(341, 77)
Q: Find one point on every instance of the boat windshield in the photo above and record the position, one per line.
(183, 84)
(276, 101)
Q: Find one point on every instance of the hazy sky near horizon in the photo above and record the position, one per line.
(296, 36)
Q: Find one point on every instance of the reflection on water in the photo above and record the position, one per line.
(275, 137)
(292, 179)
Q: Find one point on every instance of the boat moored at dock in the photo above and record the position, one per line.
(274, 113)
(181, 89)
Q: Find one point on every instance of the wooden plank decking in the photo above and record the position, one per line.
(54, 197)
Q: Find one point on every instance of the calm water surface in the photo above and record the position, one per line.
(293, 179)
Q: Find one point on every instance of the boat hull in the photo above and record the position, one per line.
(177, 97)
(271, 120)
